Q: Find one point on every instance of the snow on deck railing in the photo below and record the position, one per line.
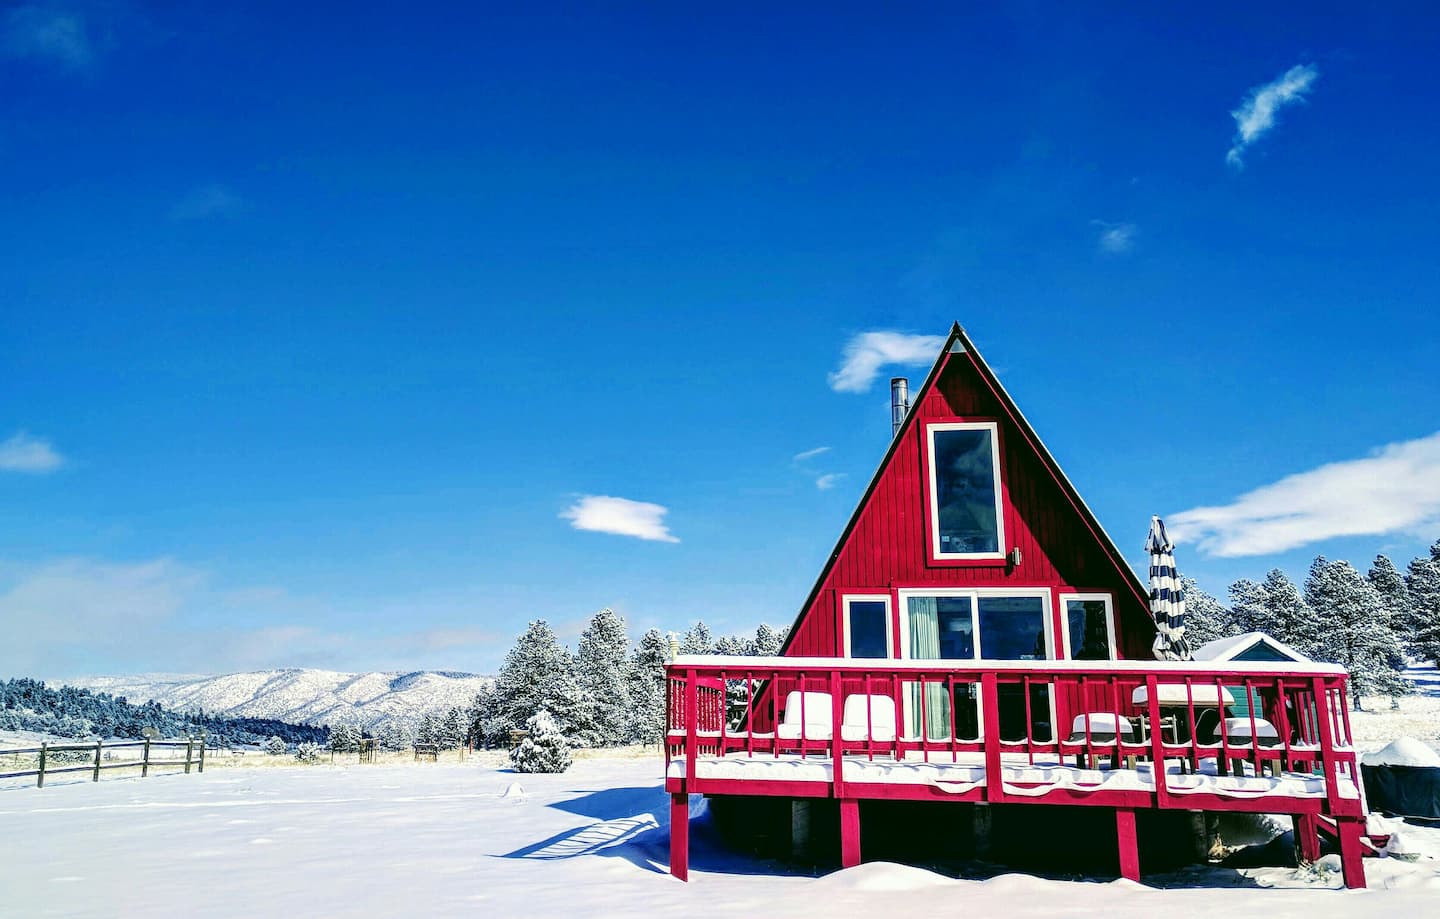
(740, 662)
(1265, 716)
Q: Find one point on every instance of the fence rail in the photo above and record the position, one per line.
(46, 766)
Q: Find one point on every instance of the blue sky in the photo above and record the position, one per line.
(321, 324)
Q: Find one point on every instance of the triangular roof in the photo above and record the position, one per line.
(1227, 649)
(959, 343)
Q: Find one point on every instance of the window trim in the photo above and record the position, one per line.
(845, 601)
(933, 496)
(1109, 600)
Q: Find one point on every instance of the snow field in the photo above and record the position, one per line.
(445, 838)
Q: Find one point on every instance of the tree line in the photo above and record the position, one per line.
(607, 693)
(1368, 622)
(30, 705)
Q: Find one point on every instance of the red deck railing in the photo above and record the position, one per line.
(1230, 719)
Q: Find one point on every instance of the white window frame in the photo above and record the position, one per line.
(845, 602)
(974, 593)
(994, 429)
(1109, 620)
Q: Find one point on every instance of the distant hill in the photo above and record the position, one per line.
(372, 700)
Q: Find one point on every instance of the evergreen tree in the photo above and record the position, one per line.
(1390, 585)
(645, 681)
(1422, 584)
(536, 675)
(697, 640)
(545, 749)
(600, 669)
(396, 736)
(1352, 629)
(426, 732)
(767, 641)
(1206, 618)
(453, 729)
(274, 746)
(1287, 614)
(1247, 606)
(344, 737)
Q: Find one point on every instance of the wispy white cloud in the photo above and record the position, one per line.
(829, 480)
(207, 201)
(621, 516)
(1256, 115)
(804, 455)
(1395, 489)
(866, 353)
(24, 453)
(1115, 238)
(43, 31)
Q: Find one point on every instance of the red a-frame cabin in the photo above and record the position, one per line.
(976, 637)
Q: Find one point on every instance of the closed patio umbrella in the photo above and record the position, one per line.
(1167, 599)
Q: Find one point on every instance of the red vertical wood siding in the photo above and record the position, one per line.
(889, 545)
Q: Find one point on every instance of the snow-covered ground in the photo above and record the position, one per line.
(447, 839)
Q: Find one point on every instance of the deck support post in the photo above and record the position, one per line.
(1125, 840)
(800, 838)
(849, 832)
(1352, 852)
(1307, 838)
(980, 824)
(680, 836)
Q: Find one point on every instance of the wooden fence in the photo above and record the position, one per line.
(48, 764)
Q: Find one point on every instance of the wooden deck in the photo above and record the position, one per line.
(1018, 732)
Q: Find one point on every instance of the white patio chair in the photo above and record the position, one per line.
(878, 725)
(818, 715)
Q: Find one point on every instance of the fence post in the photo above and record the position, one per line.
(189, 752)
(40, 776)
(145, 760)
(97, 762)
(202, 756)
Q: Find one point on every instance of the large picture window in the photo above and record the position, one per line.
(965, 516)
(975, 625)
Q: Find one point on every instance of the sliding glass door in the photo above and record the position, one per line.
(974, 625)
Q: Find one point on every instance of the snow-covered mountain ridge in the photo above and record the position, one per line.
(371, 700)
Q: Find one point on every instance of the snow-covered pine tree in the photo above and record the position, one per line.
(697, 640)
(1206, 618)
(645, 682)
(453, 729)
(1289, 616)
(545, 749)
(1352, 629)
(767, 641)
(1422, 583)
(344, 737)
(275, 746)
(536, 674)
(1247, 606)
(396, 736)
(1390, 585)
(600, 665)
(426, 732)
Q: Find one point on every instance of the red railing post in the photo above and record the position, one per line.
(1157, 740)
(692, 718)
(990, 718)
(1327, 741)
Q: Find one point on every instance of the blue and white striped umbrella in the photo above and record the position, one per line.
(1167, 598)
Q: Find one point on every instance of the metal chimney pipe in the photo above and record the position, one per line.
(899, 404)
